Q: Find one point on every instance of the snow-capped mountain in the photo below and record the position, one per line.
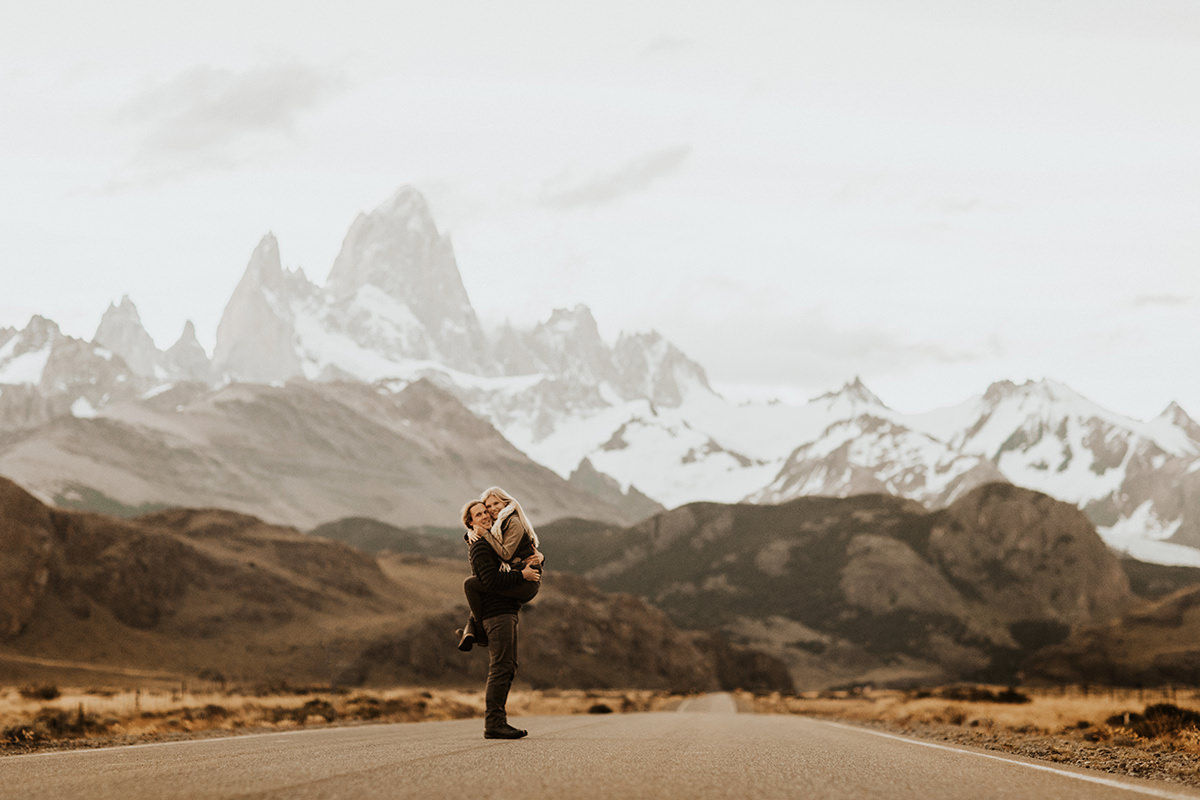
(393, 300)
(637, 412)
(121, 331)
(394, 267)
(1136, 480)
(702, 447)
(257, 335)
(872, 454)
(46, 374)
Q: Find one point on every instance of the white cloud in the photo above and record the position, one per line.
(611, 185)
(1156, 300)
(203, 117)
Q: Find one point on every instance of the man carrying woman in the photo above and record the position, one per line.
(505, 573)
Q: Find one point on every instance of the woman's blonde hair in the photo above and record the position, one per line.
(520, 512)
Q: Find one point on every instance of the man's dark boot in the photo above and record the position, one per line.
(471, 634)
(505, 731)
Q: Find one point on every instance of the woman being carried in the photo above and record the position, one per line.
(514, 540)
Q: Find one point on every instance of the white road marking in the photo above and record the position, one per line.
(1149, 790)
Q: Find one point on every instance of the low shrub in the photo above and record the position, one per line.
(1012, 696)
(367, 707)
(1158, 720)
(211, 711)
(40, 692)
(313, 708)
(979, 694)
(54, 723)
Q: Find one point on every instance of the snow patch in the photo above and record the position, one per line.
(157, 390)
(25, 368)
(83, 409)
(1142, 535)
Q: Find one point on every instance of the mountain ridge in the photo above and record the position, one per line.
(870, 588)
(300, 454)
(637, 411)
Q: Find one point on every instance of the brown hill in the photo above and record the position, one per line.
(1152, 581)
(869, 588)
(373, 536)
(579, 636)
(184, 593)
(1156, 644)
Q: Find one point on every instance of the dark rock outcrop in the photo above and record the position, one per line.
(1156, 644)
(579, 636)
(870, 588)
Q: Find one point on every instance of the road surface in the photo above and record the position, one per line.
(702, 751)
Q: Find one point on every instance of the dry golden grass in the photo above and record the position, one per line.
(80, 717)
(1089, 716)
(1106, 729)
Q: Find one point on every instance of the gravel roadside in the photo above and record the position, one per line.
(1150, 761)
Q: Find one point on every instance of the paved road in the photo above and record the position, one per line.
(703, 751)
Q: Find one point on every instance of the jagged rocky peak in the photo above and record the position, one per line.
(1045, 392)
(38, 333)
(122, 332)
(59, 374)
(999, 390)
(265, 267)
(572, 323)
(397, 248)
(569, 344)
(650, 366)
(394, 257)
(857, 390)
(853, 394)
(1174, 413)
(1176, 416)
(256, 335)
(570, 329)
(265, 270)
(24, 355)
(188, 337)
(186, 359)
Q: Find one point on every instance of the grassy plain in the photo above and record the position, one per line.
(1146, 733)
(40, 717)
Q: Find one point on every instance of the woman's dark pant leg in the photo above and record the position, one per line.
(473, 589)
(523, 591)
(502, 667)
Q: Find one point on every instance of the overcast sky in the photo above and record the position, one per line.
(931, 195)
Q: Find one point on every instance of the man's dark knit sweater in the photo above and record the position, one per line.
(485, 564)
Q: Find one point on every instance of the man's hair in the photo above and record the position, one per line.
(466, 512)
